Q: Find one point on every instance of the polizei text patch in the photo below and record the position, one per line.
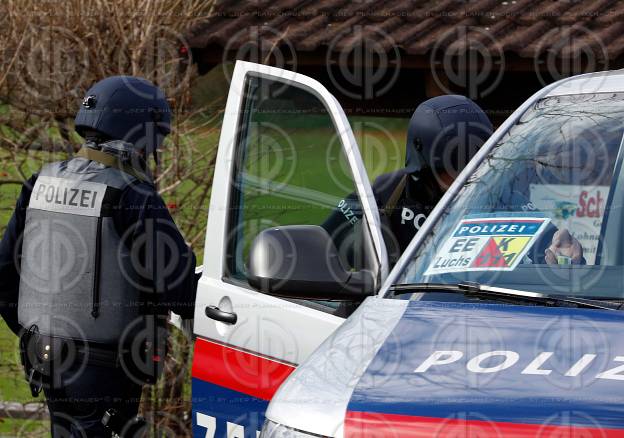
(481, 244)
(67, 196)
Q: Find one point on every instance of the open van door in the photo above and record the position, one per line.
(287, 156)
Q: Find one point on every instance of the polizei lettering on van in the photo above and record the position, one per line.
(499, 360)
(67, 196)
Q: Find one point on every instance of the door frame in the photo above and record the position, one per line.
(243, 365)
(217, 225)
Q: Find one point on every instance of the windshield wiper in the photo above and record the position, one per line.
(476, 290)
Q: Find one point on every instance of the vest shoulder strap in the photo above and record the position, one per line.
(390, 205)
(111, 161)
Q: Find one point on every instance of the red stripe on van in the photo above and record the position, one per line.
(238, 370)
(367, 424)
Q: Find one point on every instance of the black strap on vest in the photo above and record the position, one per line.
(390, 205)
(110, 160)
(385, 212)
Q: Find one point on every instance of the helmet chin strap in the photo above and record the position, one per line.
(126, 153)
(122, 149)
(151, 136)
(95, 138)
(425, 181)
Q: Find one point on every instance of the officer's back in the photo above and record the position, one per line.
(94, 261)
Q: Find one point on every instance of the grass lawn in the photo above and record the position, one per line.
(13, 386)
(23, 428)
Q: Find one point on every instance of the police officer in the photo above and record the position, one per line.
(444, 133)
(91, 262)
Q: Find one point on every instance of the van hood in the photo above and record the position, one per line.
(476, 369)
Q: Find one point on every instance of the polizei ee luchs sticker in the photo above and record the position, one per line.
(487, 244)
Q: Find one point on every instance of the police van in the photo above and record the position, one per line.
(500, 319)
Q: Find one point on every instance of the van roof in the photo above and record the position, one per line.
(599, 82)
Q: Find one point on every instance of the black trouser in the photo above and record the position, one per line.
(76, 409)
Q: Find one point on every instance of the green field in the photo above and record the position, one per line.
(23, 428)
(13, 387)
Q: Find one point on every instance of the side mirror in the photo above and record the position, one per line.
(301, 261)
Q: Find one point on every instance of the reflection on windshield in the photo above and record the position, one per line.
(543, 211)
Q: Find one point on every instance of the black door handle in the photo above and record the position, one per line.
(217, 314)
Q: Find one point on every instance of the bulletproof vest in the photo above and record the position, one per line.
(78, 280)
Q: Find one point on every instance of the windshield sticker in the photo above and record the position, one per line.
(484, 244)
(578, 208)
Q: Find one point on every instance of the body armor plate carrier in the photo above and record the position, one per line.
(77, 277)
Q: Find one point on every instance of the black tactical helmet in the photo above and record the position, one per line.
(444, 134)
(126, 108)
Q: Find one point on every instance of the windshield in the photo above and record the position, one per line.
(543, 212)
